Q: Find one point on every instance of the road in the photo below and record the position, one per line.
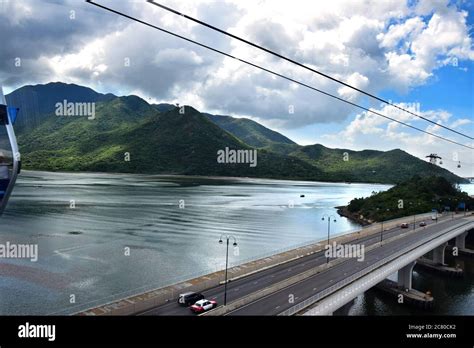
(277, 302)
(263, 279)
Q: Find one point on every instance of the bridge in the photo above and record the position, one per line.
(308, 283)
(398, 256)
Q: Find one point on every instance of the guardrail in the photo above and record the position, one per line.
(373, 226)
(313, 299)
(167, 296)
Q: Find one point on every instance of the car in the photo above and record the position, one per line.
(434, 217)
(189, 298)
(203, 306)
(404, 225)
(422, 224)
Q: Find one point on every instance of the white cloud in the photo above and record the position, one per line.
(357, 80)
(401, 32)
(461, 122)
(368, 131)
(379, 45)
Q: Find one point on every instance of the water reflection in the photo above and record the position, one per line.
(84, 222)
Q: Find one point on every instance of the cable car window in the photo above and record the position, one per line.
(3, 114)
(6, 155)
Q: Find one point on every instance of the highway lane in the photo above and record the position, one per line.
(260, 280)
(277, 302)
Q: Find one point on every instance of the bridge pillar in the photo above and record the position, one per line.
(461, 241)
(438, 254)
(405, 276)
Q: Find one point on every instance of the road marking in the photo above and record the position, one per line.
(255, 282)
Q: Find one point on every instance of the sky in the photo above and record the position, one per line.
(417, 54)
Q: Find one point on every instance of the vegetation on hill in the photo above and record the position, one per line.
(161, 140)
(250, 132)
(415, 196)
(392, 166)
(37, 102)
(168, 143)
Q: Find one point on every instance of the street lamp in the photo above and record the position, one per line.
(381, 231)
(329, 218)
(227, 238)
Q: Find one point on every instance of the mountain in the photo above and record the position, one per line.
(166, 143)
(368, 165)
(249, 131)
(161, 140)
(163, 107)
(418, 195)
(39, 100)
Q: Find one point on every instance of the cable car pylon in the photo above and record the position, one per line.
(434, 158)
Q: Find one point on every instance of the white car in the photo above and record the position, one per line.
(203, 306)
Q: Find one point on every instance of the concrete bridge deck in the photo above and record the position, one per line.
(255, 276)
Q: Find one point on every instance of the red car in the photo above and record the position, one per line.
(404, 225)
(203, 306)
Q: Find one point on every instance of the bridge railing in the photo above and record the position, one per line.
(374, 226)
(233, 263)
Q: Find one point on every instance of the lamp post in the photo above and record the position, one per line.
(329, 218)
(227, 238)
(381, 235)
(381, 231)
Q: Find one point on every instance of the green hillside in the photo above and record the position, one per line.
(369, 165)
(250, 132)
(165, 143)
(417, 195)
(36, 102)
(161, 140)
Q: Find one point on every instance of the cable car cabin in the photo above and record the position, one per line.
(9, 155)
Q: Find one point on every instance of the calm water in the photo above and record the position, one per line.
(453, 296)
(82, 250)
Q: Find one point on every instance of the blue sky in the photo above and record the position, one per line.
(402, 51)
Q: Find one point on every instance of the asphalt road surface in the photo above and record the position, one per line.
(260, 280)
(277, 302)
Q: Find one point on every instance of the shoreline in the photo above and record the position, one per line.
(354, 217)
(211, 177)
